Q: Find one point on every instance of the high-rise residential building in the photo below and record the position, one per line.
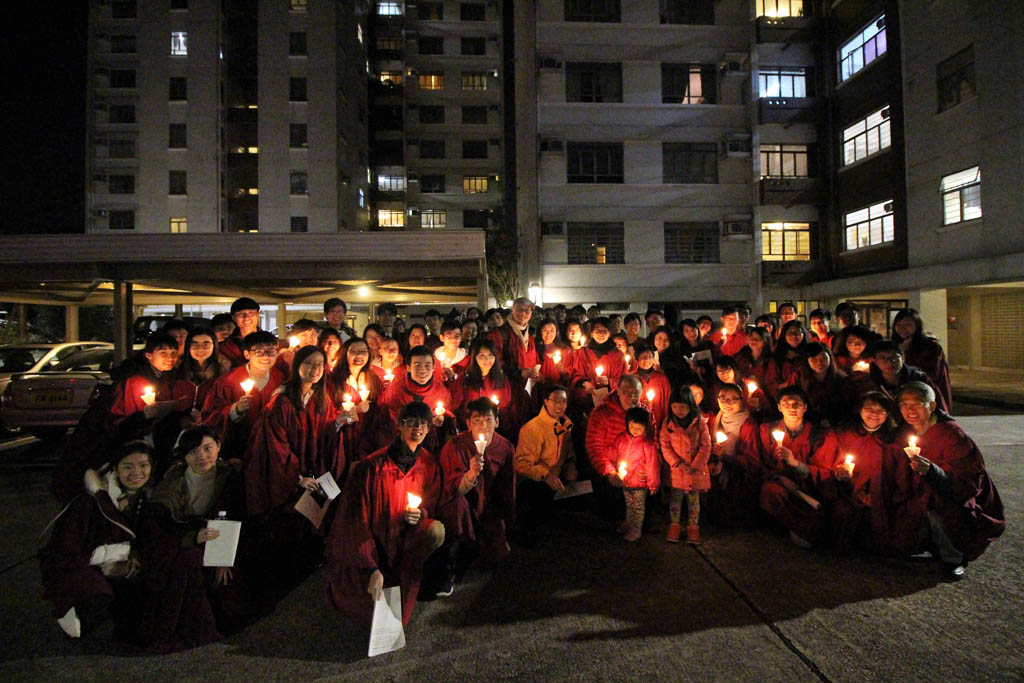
(227, 116)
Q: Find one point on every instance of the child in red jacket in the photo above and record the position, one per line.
(639, 468)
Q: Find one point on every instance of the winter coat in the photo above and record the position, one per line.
(686, 450)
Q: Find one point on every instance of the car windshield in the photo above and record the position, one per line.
(86, 359)
(21, 359)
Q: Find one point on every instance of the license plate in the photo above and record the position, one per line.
(51, 398)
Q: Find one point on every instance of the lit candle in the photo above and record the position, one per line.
(861, 366)
(148, 396)
(779, 435)
(346, 403)
(388, 375)
(557, 357)
(481, 444)
(622, 470)
(751, 387)
(293, 342)
(583, 341)
(650, 394)
(911, 449)
(439, 410)
(848, 463)
(912, 441)
(720, 437)
(414, 501)
(626, 358)
(364, 393)
(495, 400)
(599, 370)
(247, 386)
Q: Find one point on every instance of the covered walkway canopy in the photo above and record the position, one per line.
(435, 266)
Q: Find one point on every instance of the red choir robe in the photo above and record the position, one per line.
(733, 343)
(585, 364)
(514, 353)
(485, 513)
(128, 403)
(736, 473)
(231, 349)
(931, 360)
(374, 534)
(358, 437)
(831, 400)
(776, 500)
(224, 393)
(403, 391)
(550, 372)
(511, 404)
(658, 408)
(765, 374)
(397, 371)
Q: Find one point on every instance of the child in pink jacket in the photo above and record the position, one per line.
(639, 468)
(685, 446)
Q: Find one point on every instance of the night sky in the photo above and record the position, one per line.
(44, 110)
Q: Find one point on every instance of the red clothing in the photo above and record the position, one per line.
(397, 371)
(403, 391)
(550, 373)
(643, 462)
(511, 404)
(585, 364)
(224, 393)
(733, 342)
(513, 353)
(658, 408)
(606, 423)
(737, 474)
(686, 451)
(371, 532)
(765, 374)
(931, 360)
(802, 445)
(128, 395)
(231, 349)
(776, 499)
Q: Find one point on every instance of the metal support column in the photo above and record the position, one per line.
(71, 323)
(123, 312)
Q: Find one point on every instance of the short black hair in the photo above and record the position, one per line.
(416, 410)
(639, 416)
(222, 319)
(387, 306)
(450, 324)
(654, 311)
(820, 313)
(334, 302)
(258, 338)
(790, 304)
(793, 390)
(552, 389)
(420, 350)
(244, 304)
(482, 406)
(160, 340)
(432, 312)
(174, 324)
(304, 325)
(632, 315)
(191, 438)
(884, 345)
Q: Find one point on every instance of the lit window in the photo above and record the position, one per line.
(390, 218)
(474, 184)
(785, 242)
(595, 243)
(391, 77)
(179, 225)
(431, 80)
(391, 183)
(869, 226)
(864, 48)
(474, 80)
(778, 81)
(362, 198)
(299, 5)
(433, 218)
(783, 161)
(687, 83)
(389, 44)
(961, 196)
(389, 9)
(866, 137)
(179, 43)
(780, 8)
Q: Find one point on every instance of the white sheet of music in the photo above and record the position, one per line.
(386, 631)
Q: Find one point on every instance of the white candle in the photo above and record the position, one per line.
(414, 501)
(599, 370)
(779, 435)
(557, 357)
(247, 386)
(650, 394)
(720, 437)
(364, 393)
(583, 341)
(622, 470)
(849, 464)
(912, 441)
(148, 396)
(346, 403)
(626, 358)
(439, 410)
(861, 366)
(751, 387)
(481, 444)
(495, 400)
(388, 375)
(293, 342)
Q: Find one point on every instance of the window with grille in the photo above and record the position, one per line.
(433, 218)
(593, 82)
(177, 182)
(299, 5)
(391, 77)
(433, 45)
(474, 149)
(431, 80)
(594, 162)
(389, 9)
(179, 224)
(785, 241)
(179, 43)
(389, 44)
(431, 149)
(784, 161)
(474, 46)
(780, 8)
(474, 115)
(592, 10)
(864, 48)
(474, 80)
(688, 84)
(474, 184)
(299, 224)
(177, 88)
(297, 43)
(689, 162)
(121, 220)
(432, 183)
(692, 243)
(868, 136)
(391, 183)
(177, 136)
(686, 11)
(391, 218)
(122, 78)
(121, 148)
(595, 243)
(472, 11)
(298, 182)
(782, 81)
(961, 196)
(431, 113)
(123, 44)
(297, 135)
(121, 184)
(297, 89)
(956, 79)
(869, 226)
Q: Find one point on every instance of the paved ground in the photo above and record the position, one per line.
(988, 388)
(585, 606)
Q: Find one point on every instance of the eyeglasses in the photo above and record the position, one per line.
(414, 422)
(792, 404)
(911, 404)
(728, 401)
(263, 353)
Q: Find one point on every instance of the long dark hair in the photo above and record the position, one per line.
(919, 338)
(806, 375)
(474, 377)
(292, 388)
(189, 367)
(682, 394)
(404, 346)
(559, 342)
(765, 335)
(860, 332)
(342, 371)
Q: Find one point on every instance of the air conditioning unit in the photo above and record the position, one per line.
(736, 229)
(737, 145)
(887, 207)
(551, 145)
(884, 113)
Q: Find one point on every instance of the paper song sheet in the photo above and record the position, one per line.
(220, 552)
(386, 632)
(328, 485)
(576, 488)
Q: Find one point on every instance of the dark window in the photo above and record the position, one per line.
(298, 182)
(592, 10)
(431, 183)
(388, 117)
(179, 4)
(431, 46)
(297, 135)
(474, 149)
(122, 44)
(431, 113)
(123, 148)
(123, 9)
(177, 182)
(956, 79)
(594, 162)
(471, 11)
(122, 220)
(388, 153)
(593, 82)
(121, 184)
(178, 88)
(431, 149)
(691, 243)
(474, 46)
(300, 224)
(122, 113)
(297, 43)
(475, 218)
(595, 243)
(554, 228)
(472, 114)
(177, 136)
(688, 83)
(431, 11)
(122, 78)
(296, 89)
(689, 162)
(687, 11)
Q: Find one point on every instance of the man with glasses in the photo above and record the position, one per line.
(385, 528)
(889, 373)
(517, 350)
(607, 422)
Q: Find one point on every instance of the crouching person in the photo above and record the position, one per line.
(384, 531)
(91, 565)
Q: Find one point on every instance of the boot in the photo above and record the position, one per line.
(675, 531)
(693, 535)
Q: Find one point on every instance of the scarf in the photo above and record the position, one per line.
(730, 426)
(523, 331)
(601, 349)
(400, 454)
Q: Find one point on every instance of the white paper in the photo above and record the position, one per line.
(599, 396)
(529, 386)
(328, 485)
(386, 632)
(576, 488)
(220, 552)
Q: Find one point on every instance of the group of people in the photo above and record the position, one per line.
(448, 440)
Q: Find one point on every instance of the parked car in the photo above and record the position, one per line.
(146, 325)
(49, 401)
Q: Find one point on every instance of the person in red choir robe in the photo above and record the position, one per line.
(516, 348)
(353, 379)
(388, 534)
(450, 359)
(769, 322)
(757, 363)
(388, 365)
(415, 336)
(727, 373)
(551, 346)
(601, 354)
(656, 388)
(330, 343)
(787, 312)
(179, 330)
(374, 335)
(90, 565)
(605, 424)
(848, 469)
(888, 372)
(820, 321)
(629, 357)
(735, 464)
(730, 338)
(202, 365)
(574, 335)
(230, 410)
(470, 331)
(790, 352)
(924, 353)
(484, 378)
(787, 473)
(851, 346)
(480, 489)
(686, 447)
(223, 326)
(304, 332)
(246, 314)
(419, 384)
(830, 396)
(953, 503)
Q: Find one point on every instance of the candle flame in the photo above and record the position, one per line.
(622, 470)
(439, 410)
(848, 463)
(912, 441)
(626, 358)
(583, 341)
(247, 386)
(751, 387)
(414, 500)
(388, 376)
(494, 399)
(347, 398)
(293, 342)
(148, 396)
(861, 366)
(720, 437)
(779, 435)
(363, 393)
(650, 394)
(599, 370)
(557, 357)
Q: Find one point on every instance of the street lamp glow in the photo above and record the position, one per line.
(363, 291)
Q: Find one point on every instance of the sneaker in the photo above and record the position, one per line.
(70, 624)
(632, 534)
(447, 587)
(675, 531)
(799, 541)
(693, 535)
(954, 571)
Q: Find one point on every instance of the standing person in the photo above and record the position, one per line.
(360, 420)
(705, 323)
(223, 325)
(389, 531)
(787, 312)
(830, 397)
(484, 378)
(852, 356)
(600, 353)
(820, 321)
(606, 423)
(756, 362)
(450, 359)
(387, 313)
(791, 352)
(91, 563)
(246, 314)
(639, 468)
(731, 337)
(632, 324)
(388, 364)
(656, 388)
(415, 336)
(848, 314)
(179, 330)
(303, 333)
(655, 318)
(432, 320)
(667, 356)
(735, 463)
(697, 352)
(419, 384)
(330, 343)
(551, 345)
(888, 371)
(374, 336)
(202, 364)
(470, 331)
(953, 502)
(770, 322)
(335, 311)
(545, 462)
(515, 346)
(686, 448)
(923, 352)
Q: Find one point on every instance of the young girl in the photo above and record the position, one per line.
(639, 468)
(686, 447)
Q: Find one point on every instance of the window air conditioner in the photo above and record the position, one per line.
(736, 229)
(551, 145)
